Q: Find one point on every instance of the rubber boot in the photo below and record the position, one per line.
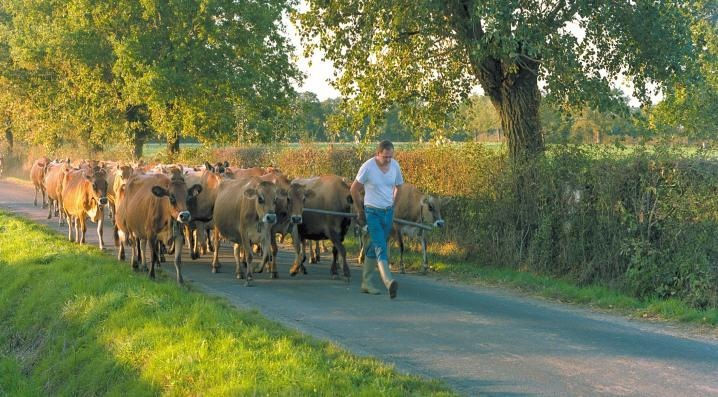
(386, 277)
(367, 277)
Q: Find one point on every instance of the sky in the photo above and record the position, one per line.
(317, 70)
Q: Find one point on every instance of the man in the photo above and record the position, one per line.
(379, 177)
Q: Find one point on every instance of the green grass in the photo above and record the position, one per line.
(76, 322)
(150, 149)
(557, 289)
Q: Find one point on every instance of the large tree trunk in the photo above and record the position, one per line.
(512, 86)
(173, 145)
(514, 93)
(10, 139)
(138, 118)
(138, 141)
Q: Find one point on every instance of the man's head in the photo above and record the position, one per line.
(384, 152)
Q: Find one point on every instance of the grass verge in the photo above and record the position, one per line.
(75, 321)
(562, 290)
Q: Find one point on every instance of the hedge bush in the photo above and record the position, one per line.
(639, 219)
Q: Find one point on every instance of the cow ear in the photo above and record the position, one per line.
(309, 194)
(194, 190)
(208, 166)
(159, 191)
(226, 163)
(250, 193)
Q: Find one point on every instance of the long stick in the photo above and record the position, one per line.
(353, 215)
(325, 212)
(414, 224)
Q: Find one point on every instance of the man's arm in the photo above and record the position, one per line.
(355, 191)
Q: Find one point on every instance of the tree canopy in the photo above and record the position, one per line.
(96, 70)
(426, 55)
(691, 108)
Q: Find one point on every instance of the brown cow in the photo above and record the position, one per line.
(244, 212)
(289, 212)
(201, 207)
(84, 194)
(117, 176)
(53, 187)
(37, 175)
(150, 210)
(412, 205)
(330, 193)
(240, 173)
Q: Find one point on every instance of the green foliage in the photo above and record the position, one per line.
(640, 219)
(426, 56)
(691, 108)
(77, 322)
(91, 71)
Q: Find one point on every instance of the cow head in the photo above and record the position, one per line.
(178, 196)
(431, 210)
(264, 196)
(98, 181)
(296, 196)
(124, 172)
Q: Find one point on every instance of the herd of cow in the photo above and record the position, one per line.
(156, 208)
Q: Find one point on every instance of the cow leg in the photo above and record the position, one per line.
(152, 243)
(34, 203)
(191, 231)
(247, 248)
(324, 246)
(362, 247)
(199, 246)
(425, 261)
(44, 201)
(215, 255)
(400, 240)
(210, 247)
(333, 269)
(179, 240)
(101, 231)
(298, 253)
(275, 249)
(119, 244)
(69, 230)
(314, 250)
(142, 251)
(342, 251)
(61, 211)
(49, 213)
(134, 252)
(76, 222)
(162, 249)
(83, 228)
(238, 271)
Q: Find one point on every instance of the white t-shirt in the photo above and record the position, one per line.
(379, 186)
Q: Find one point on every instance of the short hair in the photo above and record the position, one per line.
(384, 145)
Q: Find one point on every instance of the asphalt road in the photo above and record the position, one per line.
(481, 341)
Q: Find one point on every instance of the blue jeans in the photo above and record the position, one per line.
(379, 222)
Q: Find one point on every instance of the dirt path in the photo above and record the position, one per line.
(479, 340)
